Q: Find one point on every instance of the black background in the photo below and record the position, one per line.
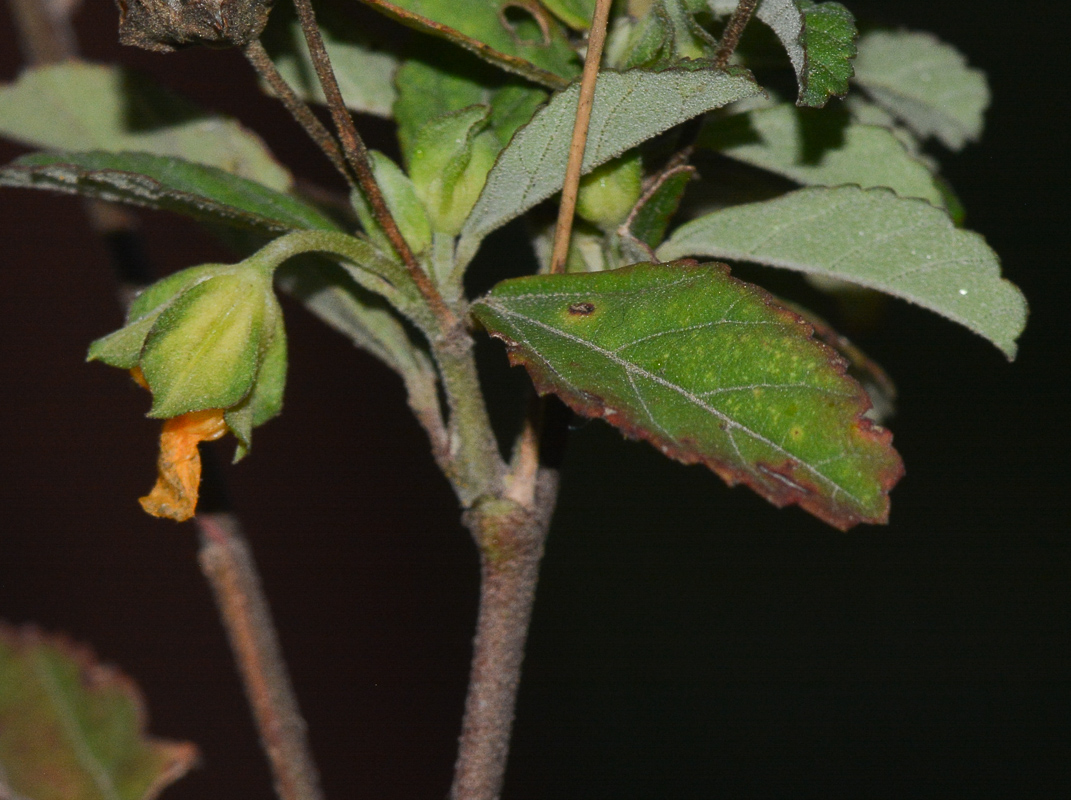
(688, 641)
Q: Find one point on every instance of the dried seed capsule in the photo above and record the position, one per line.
(165, 25)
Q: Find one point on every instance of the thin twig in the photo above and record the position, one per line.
(580, 136)
(46, 35)
(260, 60)
(356, 155)
(228, 565)
(733, 30)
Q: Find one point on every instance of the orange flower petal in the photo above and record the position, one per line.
(179, 466)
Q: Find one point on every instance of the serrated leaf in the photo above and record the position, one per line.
(78, 106)
(365, 74)
(74, 729)
(821, 148)
(166, 183)
(709, 370)
(870, 237)
(520, 38)
(630, 107)
(925, 83)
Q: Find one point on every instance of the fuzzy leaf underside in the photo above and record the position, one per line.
(925, 83)
(708, 369)
(819, 148)
(166, 183)
(365, 74)
(870, 237)
(536, 48)
(76, 106)
(73, 729)
(630, 107)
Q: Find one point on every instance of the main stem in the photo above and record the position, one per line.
(511, 540)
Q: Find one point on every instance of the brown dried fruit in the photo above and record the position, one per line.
(165, 25)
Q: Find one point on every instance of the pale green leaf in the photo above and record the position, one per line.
(821, 148)
(925, 83)
(870, 237)
(630, 107)
(365, 74)
(78, 106)
(520, 38)
(72, 728)
(709, 370)
(170, 184)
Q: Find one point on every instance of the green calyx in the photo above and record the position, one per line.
(608, 193)
(207, 337)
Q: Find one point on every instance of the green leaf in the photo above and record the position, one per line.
(664, 35)
(74, 729)
(450, 159)
(709, 370)
(819, 39)
(404, 205)
(630, 107)
(78, 106)
(821, 148)
(828, 44)
(166, 183)
(870, 237)
(925, 83)
(430, 88)
(649, 221)
(520, 38)
(365, 74)
(576, 14)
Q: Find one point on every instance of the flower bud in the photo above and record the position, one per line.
(165, 25)
(209, 343)
(608, 193)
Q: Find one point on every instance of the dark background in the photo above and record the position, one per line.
(688, 641)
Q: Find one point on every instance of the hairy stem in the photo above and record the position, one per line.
(511, 541)
(733, 31)
(228, 565)
(567, 209)
(356, 155)
(258, 57)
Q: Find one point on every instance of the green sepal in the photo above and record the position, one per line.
(608, 192)
(401, 198)
(122, 348)
(266, 399)
(204, 349)
(449, 163)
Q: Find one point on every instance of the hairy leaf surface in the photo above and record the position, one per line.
(709, 370)
(870, 237)
(630, 107)
(78, 106)
(170, 184)
(925, 83)
(821, 148)
(522, 38)
(74, 729)
(365, 74)
(819, 39)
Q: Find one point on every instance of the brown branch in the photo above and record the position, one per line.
(356, 155)
(228, 565)
(260, 60)
(567, 209)
(733, 31)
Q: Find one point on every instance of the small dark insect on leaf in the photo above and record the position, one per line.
(581, 309)
(165, 25)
